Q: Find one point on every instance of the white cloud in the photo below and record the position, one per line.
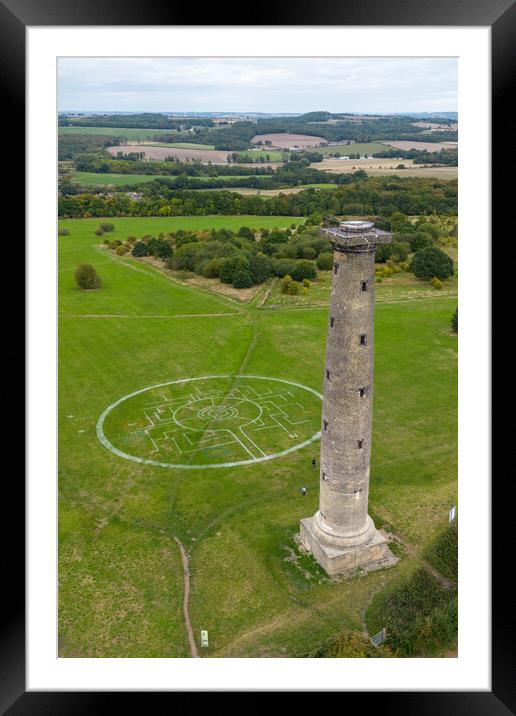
(258, 84)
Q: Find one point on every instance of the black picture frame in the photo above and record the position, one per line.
(15, 16)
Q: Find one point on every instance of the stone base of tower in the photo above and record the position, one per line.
(372, 555)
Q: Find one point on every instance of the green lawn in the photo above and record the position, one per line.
(120, 576)
(253, 155)
(128, 133)
(94, 179)
(97, 179)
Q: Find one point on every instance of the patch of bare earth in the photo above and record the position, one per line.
(161, 153)
(376, 166)
(209, 284)
(289, 141)
(429, 146)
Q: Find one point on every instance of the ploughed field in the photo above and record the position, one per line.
(375, 166)
(408, 144)
(289, 141)
(250, 379)
(159, 152)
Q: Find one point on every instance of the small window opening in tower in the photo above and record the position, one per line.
(327, 375)
(362, 392)
(363, 339)
(364, 285)
(335, 268)
(323, 476)
(332, 321)
(325, 424)
(360, 444)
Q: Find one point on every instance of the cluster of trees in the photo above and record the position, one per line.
(449, 157)
(372, 195)
(242, 258)
(144, 120)
(106, 164)
(415, 248)
(71, 145)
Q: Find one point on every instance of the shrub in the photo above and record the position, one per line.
(325, 261)
(436, 283)
(349, 645)
(421, 241)
(293, 288)
(87, 277)
(160, 248)
(306, 283)
(211, 268)
(303, 269)
(428, 228)
(430, 262)
(260, 268)
(121, 250)
(282, 267)
(420, 616)
(186, 256)
(232, 266)
(99, 232)
(63, 232)
(107, 226)
(399, 250)
(443, 552)
(140, 249)
(383, 252)
(242, 279)
(455, 320)
(387, 272)
(285, 282)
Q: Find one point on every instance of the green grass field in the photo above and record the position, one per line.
(254, 155)
(97, 179)
(128, 133)
(94, 179)
(120, 574)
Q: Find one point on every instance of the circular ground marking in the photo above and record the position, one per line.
(212, 421)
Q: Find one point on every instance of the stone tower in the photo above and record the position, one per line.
(341, 535)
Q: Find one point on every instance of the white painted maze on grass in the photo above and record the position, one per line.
(212, 421)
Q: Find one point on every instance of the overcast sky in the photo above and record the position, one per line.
(258, 84)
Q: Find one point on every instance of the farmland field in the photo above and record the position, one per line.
(120, 569)
(177, 145)
(159, 152)
(382, 167)
(428, 146)
(274, 192)
(356, 148)
(288, 141)
(96, 179)
(128, 133)
(255, 154)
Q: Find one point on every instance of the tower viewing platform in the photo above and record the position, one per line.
(341, 535)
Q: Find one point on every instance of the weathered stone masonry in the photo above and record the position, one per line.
(341, 535)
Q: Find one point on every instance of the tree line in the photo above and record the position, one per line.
(370, 195)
